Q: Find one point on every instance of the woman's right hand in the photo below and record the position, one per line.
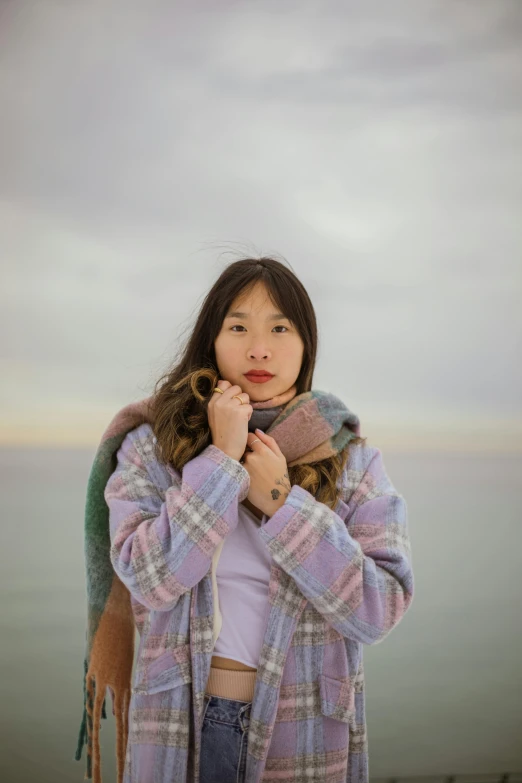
(228, 419)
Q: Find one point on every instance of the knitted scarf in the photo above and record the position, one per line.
(308, 427)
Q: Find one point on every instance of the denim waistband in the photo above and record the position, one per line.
(231, 711)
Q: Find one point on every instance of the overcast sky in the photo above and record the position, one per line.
(377, 148)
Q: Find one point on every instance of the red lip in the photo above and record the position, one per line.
(259, 374)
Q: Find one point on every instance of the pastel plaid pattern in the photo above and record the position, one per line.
(339, 579)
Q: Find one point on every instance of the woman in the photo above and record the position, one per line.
(258, 563)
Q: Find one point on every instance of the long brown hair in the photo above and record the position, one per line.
(181, 395)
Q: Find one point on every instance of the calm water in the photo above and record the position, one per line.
(444, 690)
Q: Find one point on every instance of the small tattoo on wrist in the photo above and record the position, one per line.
(276, 494)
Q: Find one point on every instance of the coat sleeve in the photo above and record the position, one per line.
(161, 548)
(353, 566)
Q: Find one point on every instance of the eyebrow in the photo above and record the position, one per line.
(274, 317)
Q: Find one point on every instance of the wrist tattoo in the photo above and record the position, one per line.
(283, 482)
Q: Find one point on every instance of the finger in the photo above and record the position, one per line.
(269, 441)
(254, 440)
(243, 397)
(260, 441)
(221, 384)
(233, 389)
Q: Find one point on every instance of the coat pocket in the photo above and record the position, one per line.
(337, 698)
(170, 669)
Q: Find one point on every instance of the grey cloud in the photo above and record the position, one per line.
(375, 146)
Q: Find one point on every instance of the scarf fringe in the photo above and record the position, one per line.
(85, 736)
(93, 711)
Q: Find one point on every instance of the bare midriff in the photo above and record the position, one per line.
(218, 662)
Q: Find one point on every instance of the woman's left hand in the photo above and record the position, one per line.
(269, 479)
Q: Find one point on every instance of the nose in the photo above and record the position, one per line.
(258, 350)
(258, 353)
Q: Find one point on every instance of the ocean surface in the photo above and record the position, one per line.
(443, 691)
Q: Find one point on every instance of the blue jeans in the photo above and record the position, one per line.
(224, 738)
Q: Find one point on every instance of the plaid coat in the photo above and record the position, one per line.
(339, 579)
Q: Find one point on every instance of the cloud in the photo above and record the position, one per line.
(377, 148)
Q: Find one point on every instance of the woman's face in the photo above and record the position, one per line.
(258, 340)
